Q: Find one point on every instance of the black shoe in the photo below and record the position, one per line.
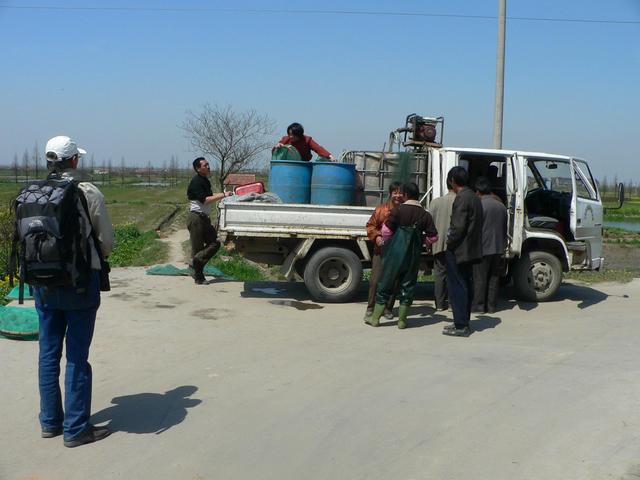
(453, 331)
(51, 432)
(92, 434)
(200, 280)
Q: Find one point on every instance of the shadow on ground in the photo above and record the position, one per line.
(148, 412)
(298, 291)
(584, 295)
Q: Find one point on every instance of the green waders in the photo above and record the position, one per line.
(400, 263)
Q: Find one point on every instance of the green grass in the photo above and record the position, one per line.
(4, 290)
(233, 265)
(146, 217)
(135, 248)
(606, 275)
(237, 267)
(630, 210)
(621, 236)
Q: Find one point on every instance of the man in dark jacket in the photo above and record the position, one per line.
(464, 248)
(204, 238)
(486, 274)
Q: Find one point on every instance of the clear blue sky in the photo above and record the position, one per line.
(120, 81)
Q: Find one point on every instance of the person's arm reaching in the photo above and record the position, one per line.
(319, 149)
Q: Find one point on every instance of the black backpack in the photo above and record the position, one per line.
(50, 243)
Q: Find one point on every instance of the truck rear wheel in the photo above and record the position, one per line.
(537, 276)
(333, 274)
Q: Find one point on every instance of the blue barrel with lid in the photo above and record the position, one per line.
(291, 180)
(333, 183)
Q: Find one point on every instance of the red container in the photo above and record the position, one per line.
(255, 187)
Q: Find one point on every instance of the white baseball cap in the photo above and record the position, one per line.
(61, 147)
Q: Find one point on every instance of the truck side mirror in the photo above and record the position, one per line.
(619, 198)
(620, 194)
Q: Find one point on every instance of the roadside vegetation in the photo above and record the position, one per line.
(136, 248)
(236, 267)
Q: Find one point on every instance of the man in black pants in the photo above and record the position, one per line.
(464, 248)
(204, 238)
(486, 274)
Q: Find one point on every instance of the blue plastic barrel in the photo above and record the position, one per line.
(333, 183)
(291, 180)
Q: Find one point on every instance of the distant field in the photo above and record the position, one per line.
(630, 209)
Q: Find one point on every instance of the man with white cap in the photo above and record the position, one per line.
(70, 311)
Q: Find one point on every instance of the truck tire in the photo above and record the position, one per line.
(537, 276)
(333, 274)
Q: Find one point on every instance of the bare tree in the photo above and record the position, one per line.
(122, 170)
(36, 159)
(233, 139)
(25, 163)
(15, 167)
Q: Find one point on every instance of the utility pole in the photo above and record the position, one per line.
(499, 106)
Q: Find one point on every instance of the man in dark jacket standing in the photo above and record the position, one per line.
(486, 274)
(464, 248)
(204, 238)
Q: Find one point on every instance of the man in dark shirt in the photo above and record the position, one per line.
(464, 248)
(303, 143)
(204, 238)
(486, 274)
(404, 233)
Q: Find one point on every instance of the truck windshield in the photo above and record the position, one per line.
(552, 175)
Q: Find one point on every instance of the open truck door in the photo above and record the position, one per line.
(586, 213)
(516, 184)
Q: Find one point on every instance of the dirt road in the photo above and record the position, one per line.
(233, 381)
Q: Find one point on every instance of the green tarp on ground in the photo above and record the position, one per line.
(19, 323)
(175, 271)
(13, 294)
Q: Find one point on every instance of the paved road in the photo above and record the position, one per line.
(217, 382)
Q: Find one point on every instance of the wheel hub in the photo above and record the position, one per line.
(334, 273)
(542, 276)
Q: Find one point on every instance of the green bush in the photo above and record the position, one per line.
(136, 248)
(237, 267)
(6, 237)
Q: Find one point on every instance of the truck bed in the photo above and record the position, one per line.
(296, 220)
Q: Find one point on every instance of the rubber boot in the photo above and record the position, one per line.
(402, 316)
(374, 319)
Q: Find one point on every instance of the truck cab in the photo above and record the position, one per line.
(554, 212)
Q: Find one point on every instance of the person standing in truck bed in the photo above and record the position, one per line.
(304, 144)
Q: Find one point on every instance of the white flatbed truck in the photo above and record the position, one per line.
(554, 224)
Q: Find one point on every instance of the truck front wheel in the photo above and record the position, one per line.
(333, 274)
(537, 276)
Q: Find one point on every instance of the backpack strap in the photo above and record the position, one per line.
(104, 265)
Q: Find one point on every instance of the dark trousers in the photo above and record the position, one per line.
(486, 279)
(460, 284)
(204, 240)
(376, 272)
(440, 280)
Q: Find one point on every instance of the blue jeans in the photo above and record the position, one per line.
(71, 313)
